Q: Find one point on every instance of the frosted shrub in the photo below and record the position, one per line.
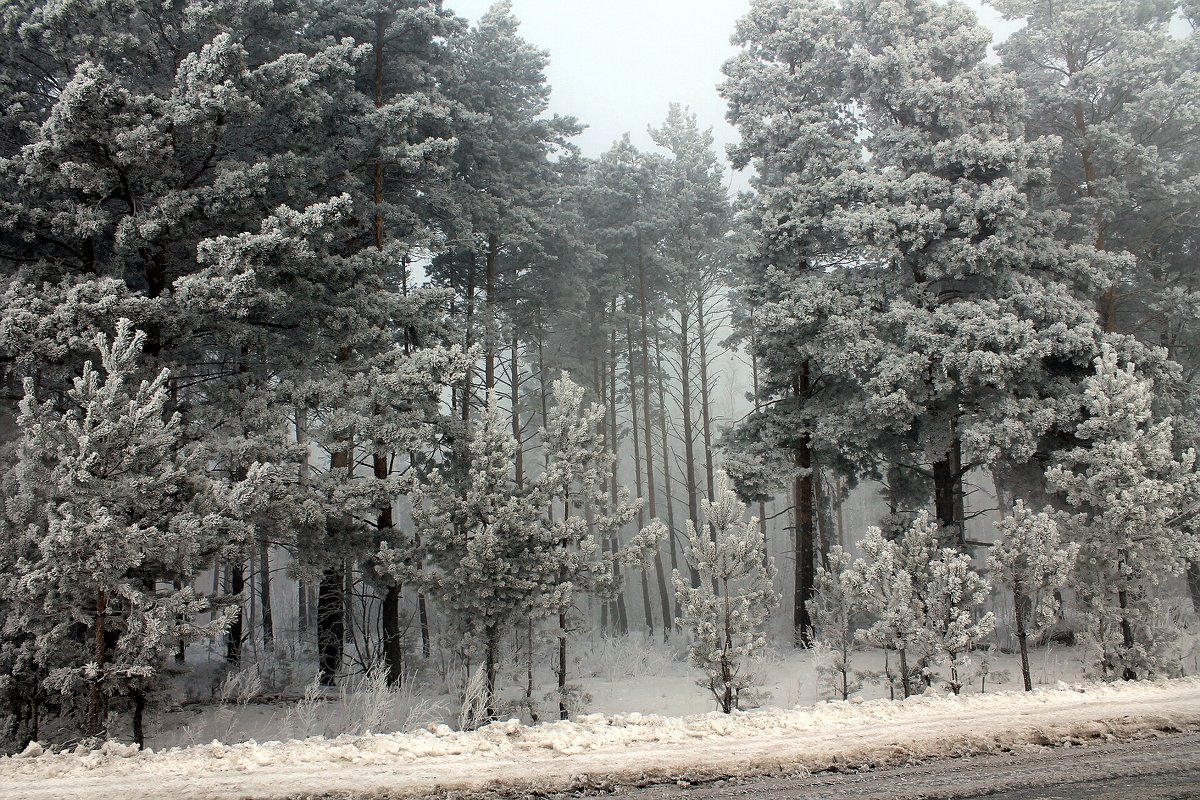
(726, 624)
(832, 610)
(1030, 559)
(885, 589)
(924, 598)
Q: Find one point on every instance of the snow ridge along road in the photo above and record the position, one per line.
(609, 751)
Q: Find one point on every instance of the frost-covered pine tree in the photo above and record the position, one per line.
(954, 593)
(885, 589)
(924, 597)
(912, 307)
(727, 611)
(1032, 561)
(111, 510)
(1131, 495)
(832, 608)
(577, 463)
(486, 552)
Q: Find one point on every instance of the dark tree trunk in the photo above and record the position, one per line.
(139, 714)
(331, 623)
(802, 490)
(685, 401)
(233, 639)
(1022, 636)
(423, 616)
(264, 596)
(393, 651)
(100, 653)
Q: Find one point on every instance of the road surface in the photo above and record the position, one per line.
(1164, 767)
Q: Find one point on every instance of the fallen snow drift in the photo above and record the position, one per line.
(610, 750)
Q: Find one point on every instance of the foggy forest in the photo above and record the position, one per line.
(343, 394)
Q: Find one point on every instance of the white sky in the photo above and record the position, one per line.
(618, 64)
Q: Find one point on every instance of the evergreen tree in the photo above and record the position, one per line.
(833, 608)
(885, 589)
(902, 283)
(727, 610)
(1030, 559)
(1132, 500)
(110, 512)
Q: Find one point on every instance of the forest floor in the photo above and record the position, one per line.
(271, 700)
(614, 745)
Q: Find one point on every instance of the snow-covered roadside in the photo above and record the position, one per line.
(609, 750)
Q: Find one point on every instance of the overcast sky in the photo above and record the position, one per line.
(618, 64)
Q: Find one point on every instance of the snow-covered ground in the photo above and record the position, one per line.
(617, 675)
(608, 750)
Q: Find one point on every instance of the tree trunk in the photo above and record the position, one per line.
(515, 369)
(705, 399)
(139, 714)
(668, 488)
(489, 301)
(423, 617)
(1193, 584)
(1022, 637)
(264, 598)
(180, 647)
(331, 592)
(331, 622)
(664, 594)
(622, 616)
(762, 506)
(96, 699)
(948, 491)
(802, 489)
(233, 639)
(685, 401)
(468, 337)
(635, 422)
(302, 598)
(490, 668)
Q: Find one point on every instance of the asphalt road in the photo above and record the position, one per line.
(1161, 768)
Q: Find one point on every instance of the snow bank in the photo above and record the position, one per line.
(610, 750)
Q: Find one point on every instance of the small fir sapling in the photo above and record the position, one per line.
(832, 609)
(1032, 561)
(1131, 496)
(728, 609)
(954, 592)
(885, 589)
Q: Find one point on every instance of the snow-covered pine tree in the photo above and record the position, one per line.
(914, 315)
(486, 552)
(112, 510)
(727, 611)
(1133, 500)
(885, 589)
(832, 608)
(1119, 84)
(577, 463)
(951, 598)
(1032, 561)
